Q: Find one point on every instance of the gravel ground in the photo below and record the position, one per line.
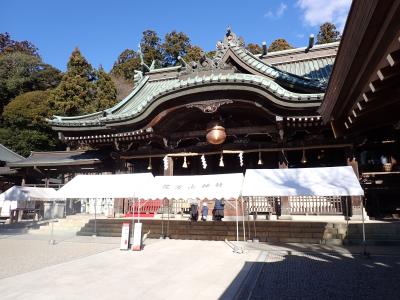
(25, 253)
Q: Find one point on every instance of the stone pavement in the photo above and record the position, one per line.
(94, 268)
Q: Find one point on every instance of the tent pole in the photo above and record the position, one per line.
(254, 220)
(139, 211)
(133, 216)
(168, 217)
(162, 219)
(363, 227)
(52, 241)
(248, 218)
(95, 217)
(237, 221)
(244, 225)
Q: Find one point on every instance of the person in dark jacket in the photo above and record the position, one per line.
(194, 212)
(218, 211)
(204, 212)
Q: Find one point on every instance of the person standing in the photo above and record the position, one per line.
(218, 211)
(204, 212)
(194, 213)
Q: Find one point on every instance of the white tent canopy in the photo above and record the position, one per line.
(25, 193)
(21, 197)
(227, 186)
(332, 181)
(108, 186)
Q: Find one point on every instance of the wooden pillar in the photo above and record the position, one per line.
(356, 200)
(285, 206)
(170, 170)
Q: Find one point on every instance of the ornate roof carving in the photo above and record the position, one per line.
(204, 75)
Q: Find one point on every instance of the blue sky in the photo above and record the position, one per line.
(103, 29)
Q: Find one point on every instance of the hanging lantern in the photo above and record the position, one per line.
(150, 167)
(203, 162)
(184, 165)
(221, 161)
(260, 161)
(215, 133)
(304, 158)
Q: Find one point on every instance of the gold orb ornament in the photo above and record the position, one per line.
(215, 133)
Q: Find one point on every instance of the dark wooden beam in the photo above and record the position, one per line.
(393, 58)
(373, 106)
(229, 131)
(389, 71)
(379, 85)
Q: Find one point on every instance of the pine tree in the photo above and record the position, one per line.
(327, 33)
(254, 48)
(175, 44)
(76, 93)
(194, 53)
(278, 45)
(151, 48)
(128, 61)
(106, 92)
(78, 65)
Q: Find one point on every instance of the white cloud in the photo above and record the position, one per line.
(317, 12)
(278, 13)
(281, 9)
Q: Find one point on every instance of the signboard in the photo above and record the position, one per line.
(124, 237)
(137, 237)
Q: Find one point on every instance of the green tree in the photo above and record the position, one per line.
(151, 47)
(128, 61)
(76, 93)
(211, 54)
(28, 110)
(175, 44)
(79, 66)
(7, 45)
(278, 45)
(327, 33)
(23, 141)
(106, 92)
(74, 96)
(194, 53)
(21, 72)
(254, 48)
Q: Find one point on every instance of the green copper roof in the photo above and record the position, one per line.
(277, 73)
(147, 92)
(317, 68)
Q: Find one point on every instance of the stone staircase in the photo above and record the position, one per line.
(385, 233)
(68, 226)
(266, 231)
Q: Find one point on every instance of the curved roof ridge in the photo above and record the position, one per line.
(266, 83)
(138, 103)
(96, 116)
(127, 98)
(272, 71)
(301, 49)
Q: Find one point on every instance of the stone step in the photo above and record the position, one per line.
(374, 236)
